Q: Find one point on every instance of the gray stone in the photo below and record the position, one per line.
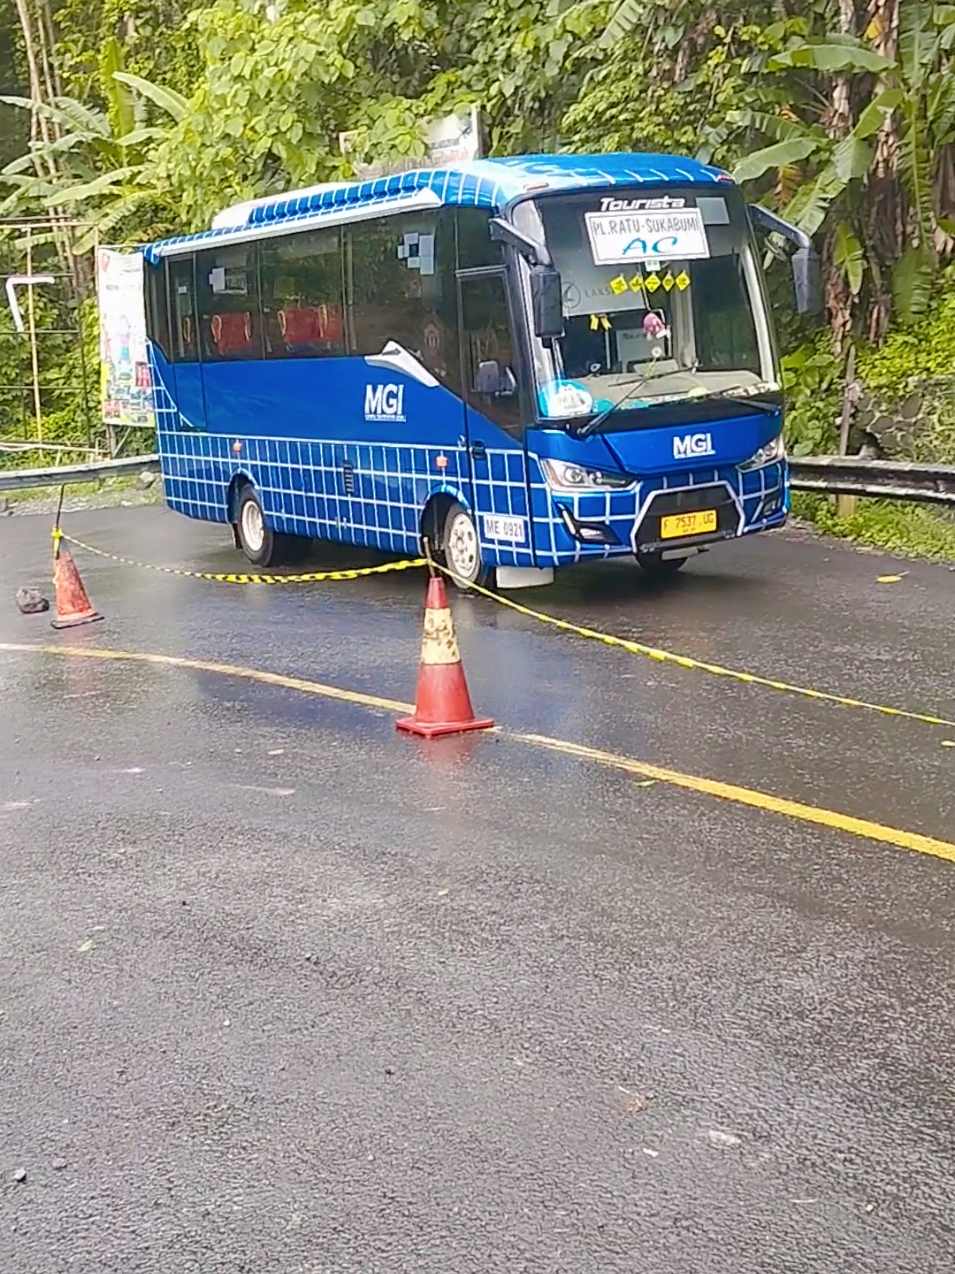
(20, 1176)
(147, 478)
(31, 601)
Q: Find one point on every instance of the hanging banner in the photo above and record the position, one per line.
(450, 139)
(127, 386)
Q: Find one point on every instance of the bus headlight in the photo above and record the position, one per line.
(574, 477)
(767, 454)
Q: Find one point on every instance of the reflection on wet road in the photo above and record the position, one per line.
(287, 992)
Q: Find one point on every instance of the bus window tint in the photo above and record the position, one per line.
(725, 330)
(157, 310)
(301, 279)
(486, 337)
(182, 310)
(400, 287)
(475, 245)
(229, 319)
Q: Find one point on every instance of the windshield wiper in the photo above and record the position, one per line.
(764, 405)
(594, 424)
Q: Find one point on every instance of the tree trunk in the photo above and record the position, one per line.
(42, 78)
(885, 228)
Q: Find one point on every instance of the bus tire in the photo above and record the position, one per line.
(258, 542)
(461, 549)
(657, 567)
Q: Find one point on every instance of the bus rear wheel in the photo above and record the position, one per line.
(461, 547)
(261, 545)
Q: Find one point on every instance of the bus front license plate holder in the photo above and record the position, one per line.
(677, 525)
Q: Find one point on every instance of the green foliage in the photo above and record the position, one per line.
(922, 351)
(158, 43)
(98, 164)
(68, 376)
(813, 389)
(277, 88)
(901, 528)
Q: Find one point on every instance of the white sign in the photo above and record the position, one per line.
(669, 235)
(385, 402)
(501, 528)
(693, 445)
(127, 387)
(450, 139)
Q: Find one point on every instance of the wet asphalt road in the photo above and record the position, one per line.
(282, 992)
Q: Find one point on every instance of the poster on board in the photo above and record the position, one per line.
(126, 382)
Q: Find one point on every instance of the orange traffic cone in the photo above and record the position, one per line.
(442, 705)
(72, 605)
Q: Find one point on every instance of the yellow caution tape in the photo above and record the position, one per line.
(699, 665)
(243, 577)
(565, 625)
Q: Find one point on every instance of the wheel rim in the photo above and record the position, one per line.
(253, 526)
(462, 550)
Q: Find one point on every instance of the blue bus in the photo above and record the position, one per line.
(525, 362)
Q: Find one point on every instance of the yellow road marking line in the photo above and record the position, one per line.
(751, 797)
(224, 670)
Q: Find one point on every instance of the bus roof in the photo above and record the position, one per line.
(482, 183)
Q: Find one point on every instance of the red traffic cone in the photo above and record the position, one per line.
(442, 705)
(72, 605)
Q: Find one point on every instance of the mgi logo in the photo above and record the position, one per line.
(385, 402)
(693, 445)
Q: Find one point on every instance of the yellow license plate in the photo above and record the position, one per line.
(679, 524)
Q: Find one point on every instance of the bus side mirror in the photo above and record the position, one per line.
(807, 281)
(546, 302)
(493, 380)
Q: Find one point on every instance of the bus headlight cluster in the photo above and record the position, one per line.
(767, 454)
(564, 476)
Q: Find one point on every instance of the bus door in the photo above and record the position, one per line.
(493, 421)
(184, 339)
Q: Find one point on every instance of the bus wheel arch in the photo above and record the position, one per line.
(239, 481)
(433, 521)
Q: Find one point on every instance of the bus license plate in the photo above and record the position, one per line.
(679, 524)
(504, 528)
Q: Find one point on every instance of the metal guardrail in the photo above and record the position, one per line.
(19, 479)
(887, 479)
(833, 475)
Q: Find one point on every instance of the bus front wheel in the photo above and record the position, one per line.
(462, 549)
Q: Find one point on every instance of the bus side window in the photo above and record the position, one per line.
(301, 281)
(475, 245)
(486, 337)
(157, 307)
(400, 287)
(182, 310)
(229, 320)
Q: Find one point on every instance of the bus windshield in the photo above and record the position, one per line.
(662, 300)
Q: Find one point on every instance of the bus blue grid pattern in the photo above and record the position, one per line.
(295, 478)
(484, 184)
